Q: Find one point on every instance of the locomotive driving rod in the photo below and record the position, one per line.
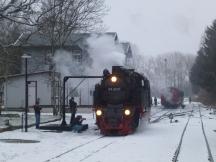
(64, 82)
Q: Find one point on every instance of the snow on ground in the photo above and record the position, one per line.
(209, 120)
(154, 142)
(15, 119)
(193, 140)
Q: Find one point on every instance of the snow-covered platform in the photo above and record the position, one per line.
(152, 142)
(13, 120)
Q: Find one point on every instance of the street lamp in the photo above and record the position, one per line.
(26, 57)
(165, 60)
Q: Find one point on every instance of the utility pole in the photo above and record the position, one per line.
(166, 84)
(26, 57)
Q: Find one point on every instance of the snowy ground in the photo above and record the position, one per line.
(152, 142)
(15, 119)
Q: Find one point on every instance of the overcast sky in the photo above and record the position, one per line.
(160, 26)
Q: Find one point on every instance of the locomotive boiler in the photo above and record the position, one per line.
(120, 100)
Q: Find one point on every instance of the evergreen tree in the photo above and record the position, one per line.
(203, 72)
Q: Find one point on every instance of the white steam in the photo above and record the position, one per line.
(66, 64)
(105, 53)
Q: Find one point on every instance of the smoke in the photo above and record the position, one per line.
(166, 92)
(66, 64)
(105, 53)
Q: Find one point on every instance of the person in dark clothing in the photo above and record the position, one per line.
(73, 109)
(78, 126)
(151, 101)
(37, 109)
(190, 100)
(0, 108)
(155, 101)
(106, 72)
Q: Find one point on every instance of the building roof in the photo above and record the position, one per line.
(29, 74)
(76, 39)
(127, 48)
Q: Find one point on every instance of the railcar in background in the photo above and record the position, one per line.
(172, 97)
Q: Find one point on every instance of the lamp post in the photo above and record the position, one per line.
(26, 57)
(165, 60)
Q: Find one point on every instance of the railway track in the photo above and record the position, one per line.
(87, 149)
(158, 118)
(73, 149)
(210, 157)
(176, 154)
(96, 151)
(155, 118)
(178, 149)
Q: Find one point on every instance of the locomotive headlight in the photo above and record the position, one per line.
(98, 112)
(113, 79)
(127, 112)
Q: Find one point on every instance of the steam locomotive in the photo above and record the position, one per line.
(120, 100)
(172, 97)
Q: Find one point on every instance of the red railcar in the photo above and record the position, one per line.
(120, 100)
(172, 97)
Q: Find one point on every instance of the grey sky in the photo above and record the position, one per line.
(160, 26)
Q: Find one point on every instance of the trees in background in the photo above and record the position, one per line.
(18, 11)
(68, 17)
(171, 69)
(55, 19)
(203, 72)
(9, 54)
(16, 17)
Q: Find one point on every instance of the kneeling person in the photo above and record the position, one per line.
(77, 125)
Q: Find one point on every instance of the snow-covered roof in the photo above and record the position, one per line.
(19, 75)
(76, 39)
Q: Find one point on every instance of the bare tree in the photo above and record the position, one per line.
(26, 12)
(64, 18)
(69, 17)
(10, 61)
(16, 10)
(171, 69)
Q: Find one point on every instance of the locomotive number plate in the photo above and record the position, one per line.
(114, 89)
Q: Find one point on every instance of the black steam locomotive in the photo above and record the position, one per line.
(120, 100)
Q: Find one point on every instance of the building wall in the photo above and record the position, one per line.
(86, 96)
(15, 90)
(39, 60)
(84, 92)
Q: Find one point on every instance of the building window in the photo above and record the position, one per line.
(47, 58)
(77, 56)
